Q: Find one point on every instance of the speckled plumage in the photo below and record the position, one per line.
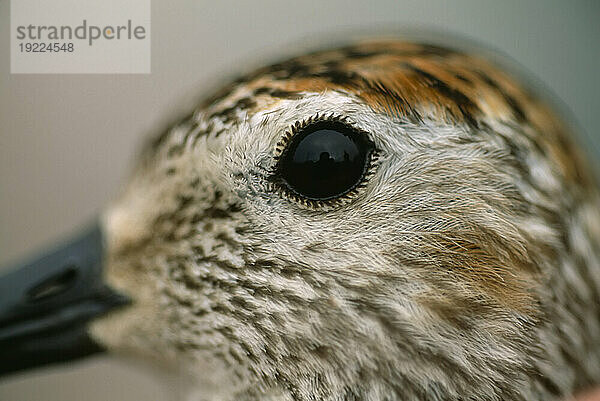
(467, 267)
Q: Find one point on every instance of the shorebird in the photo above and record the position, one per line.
(390, 220)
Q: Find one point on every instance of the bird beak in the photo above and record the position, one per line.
(45, 305)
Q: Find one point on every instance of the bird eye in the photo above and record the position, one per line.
(324, 160)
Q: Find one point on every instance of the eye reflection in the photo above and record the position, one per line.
(325, 160)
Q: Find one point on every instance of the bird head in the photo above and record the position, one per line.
(387, 220)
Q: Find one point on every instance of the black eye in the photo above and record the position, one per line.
(325, 160)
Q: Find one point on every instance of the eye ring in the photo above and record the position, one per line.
(323, 162)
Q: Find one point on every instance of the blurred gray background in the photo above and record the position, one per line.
(67, 141)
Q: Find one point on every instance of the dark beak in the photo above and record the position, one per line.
(45, 305)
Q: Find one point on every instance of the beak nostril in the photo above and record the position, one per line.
(47, 303)
(53, 285)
